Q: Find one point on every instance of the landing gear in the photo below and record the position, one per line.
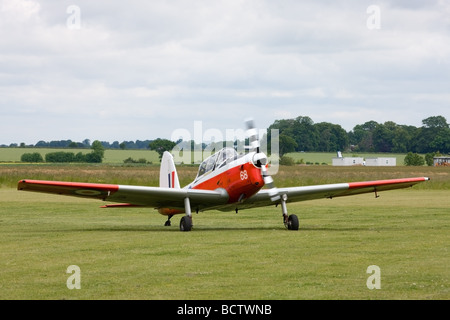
(167, 224)
(186, 221)
(290, 222)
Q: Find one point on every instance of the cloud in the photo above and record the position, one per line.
(139, 70)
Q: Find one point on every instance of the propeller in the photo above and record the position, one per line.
(260, 159)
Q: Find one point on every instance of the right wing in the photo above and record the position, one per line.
(304, 193)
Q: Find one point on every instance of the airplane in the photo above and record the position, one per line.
(225, 181)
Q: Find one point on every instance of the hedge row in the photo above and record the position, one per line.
(63, 157)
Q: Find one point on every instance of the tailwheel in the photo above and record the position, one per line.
(186, 223)
(291, 222)
(167, 223)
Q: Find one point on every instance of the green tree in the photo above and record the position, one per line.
(161, 145)
(436, 122)
(94, 157)
(433, 135)
(305, 134)
(331, 137)
(286, 144)
(98, 148)
(414, 159)
(301, 129)
(362, 136)
(429, 158)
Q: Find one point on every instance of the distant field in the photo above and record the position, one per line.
(114, 156)
(326, 157)
(111, 155)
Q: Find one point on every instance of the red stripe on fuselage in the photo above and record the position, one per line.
(173, 179)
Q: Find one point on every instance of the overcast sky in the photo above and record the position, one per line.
(128, 70)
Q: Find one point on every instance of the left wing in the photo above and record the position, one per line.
(295, 194)
(155, 197)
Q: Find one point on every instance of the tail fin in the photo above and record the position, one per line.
(168, 177)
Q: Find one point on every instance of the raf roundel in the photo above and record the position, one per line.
(88, 192)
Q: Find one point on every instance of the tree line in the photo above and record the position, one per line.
(302, 134)
(85, 144)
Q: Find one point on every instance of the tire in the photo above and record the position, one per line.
(293, 222)
(185, 224)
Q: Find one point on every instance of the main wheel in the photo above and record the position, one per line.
(186, 224)
(292, 222)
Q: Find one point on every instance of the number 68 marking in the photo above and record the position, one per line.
(244, 175)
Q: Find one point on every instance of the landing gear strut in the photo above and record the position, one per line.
(290, 222)
(167, 224)
(186, 221)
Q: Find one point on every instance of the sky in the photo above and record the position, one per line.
(138, 70)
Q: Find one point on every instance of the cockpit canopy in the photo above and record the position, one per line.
(217, 160)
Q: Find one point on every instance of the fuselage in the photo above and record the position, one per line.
(240, 178)
(226, 170)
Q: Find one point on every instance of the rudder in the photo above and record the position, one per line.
(168, 177)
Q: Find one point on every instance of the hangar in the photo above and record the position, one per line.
(441, 161)
(381, 162)
(348, 161)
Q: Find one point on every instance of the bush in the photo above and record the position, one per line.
(80, 157)
(60, 157)
(94, 157)
(429, 158)
(64, 157)
(32, 157)
(286, 161)
(413, 159)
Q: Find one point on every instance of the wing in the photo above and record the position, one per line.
(295, 194)
(130, 195)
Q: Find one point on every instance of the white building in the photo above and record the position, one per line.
(350, 161)
(381, 162)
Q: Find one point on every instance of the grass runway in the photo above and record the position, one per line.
(129, 254)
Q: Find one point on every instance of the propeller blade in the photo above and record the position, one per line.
(268, 181)
(252, 134)
(260, 159)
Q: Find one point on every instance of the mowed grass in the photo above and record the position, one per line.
(129, 254)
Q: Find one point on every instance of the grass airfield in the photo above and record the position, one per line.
(129, 254)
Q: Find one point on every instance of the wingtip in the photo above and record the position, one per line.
(19, 187)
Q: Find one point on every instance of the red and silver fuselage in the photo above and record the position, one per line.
(239, 178)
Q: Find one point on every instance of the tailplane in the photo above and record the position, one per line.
(168, 177)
